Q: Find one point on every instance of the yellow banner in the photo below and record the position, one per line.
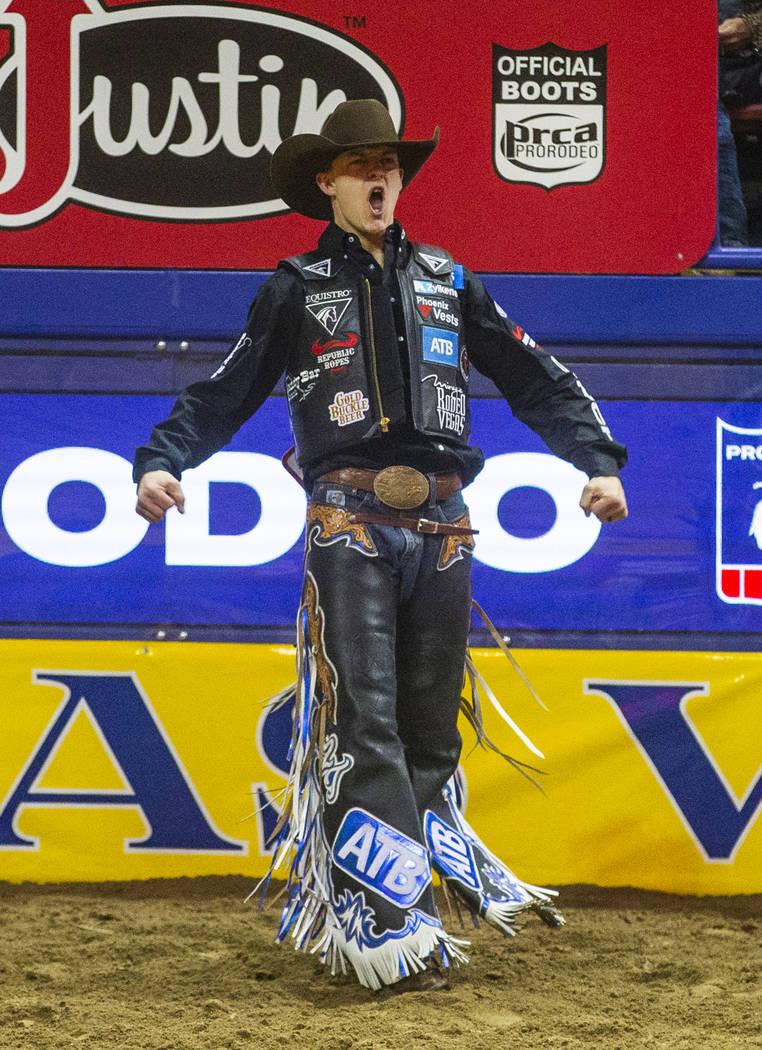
(129, 761)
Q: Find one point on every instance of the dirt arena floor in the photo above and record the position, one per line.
(185, 965)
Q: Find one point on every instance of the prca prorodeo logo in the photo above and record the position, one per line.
(164, 111)
(739, 514)
(549, 115)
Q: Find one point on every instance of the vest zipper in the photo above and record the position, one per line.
(374, 367)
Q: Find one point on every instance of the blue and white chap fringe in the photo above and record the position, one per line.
(342, 927)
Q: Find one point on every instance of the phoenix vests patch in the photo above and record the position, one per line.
(549, 115)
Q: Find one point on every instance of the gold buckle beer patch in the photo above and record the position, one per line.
(549, 115)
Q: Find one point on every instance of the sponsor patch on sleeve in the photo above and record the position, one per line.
(242, 344)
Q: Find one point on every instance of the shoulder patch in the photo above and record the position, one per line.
(437, 263)
(311, 267)
(321, 268)
(458, 279)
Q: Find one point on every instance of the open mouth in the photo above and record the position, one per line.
(376, 201)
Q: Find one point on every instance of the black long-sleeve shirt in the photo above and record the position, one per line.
(541, 393)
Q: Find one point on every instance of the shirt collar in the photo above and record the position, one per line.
(334, 240)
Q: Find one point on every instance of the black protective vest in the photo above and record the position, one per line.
(332, 386)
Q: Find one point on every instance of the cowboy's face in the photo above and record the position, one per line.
(364, 185)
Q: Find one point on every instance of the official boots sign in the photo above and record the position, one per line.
(550, 115)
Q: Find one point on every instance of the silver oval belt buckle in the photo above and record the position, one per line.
(401, 487)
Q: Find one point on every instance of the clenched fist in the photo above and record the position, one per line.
(157, 492)
(604, 497)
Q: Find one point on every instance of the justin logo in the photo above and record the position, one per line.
(163, 111)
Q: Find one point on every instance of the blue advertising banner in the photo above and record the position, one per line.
(688, 558)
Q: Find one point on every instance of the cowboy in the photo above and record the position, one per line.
(376, 335)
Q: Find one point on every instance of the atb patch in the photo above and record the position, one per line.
(381, 858)
(739, 514)
(524, 337)
(440, 346)
(549, 115)
(452, 853)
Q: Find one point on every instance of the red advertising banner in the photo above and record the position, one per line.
(574, 137)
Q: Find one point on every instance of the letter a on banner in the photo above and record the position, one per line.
(156, 783)
(654, 715)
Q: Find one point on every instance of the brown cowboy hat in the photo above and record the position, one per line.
(359, 122)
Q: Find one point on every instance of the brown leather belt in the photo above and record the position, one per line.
(436, 528)
(400, 487)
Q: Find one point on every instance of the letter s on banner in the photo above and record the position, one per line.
(280, 525)
(25, 507)
(569, 539)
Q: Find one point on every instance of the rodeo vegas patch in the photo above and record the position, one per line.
(549, 115)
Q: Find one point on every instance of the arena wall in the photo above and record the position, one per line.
(134, 661)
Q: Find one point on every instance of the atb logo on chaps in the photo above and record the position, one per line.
(164, 111)
(382, 858)
(739, 514)
(549, 115)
